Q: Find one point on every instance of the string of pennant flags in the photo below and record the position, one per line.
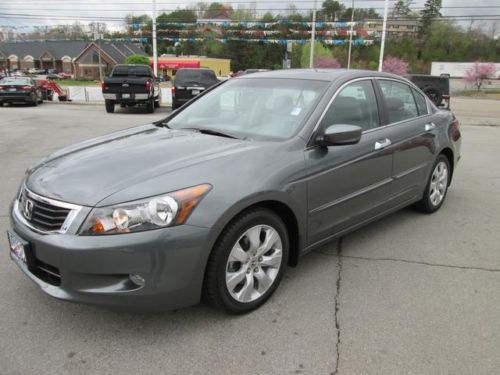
(283, 42)
(257, 24)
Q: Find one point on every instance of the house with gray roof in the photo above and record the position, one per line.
(112, 53)
(80, 58)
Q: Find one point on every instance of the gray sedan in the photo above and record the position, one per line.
(217, 199)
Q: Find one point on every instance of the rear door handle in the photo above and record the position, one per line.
(430, 126)
(383, 143)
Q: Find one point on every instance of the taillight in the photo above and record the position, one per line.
(173, 90)
(1, 88)
(454, 130)
(103, 86)
(148, 85)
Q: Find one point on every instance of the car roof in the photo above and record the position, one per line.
(329, 75)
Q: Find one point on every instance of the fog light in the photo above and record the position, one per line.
(137, 280)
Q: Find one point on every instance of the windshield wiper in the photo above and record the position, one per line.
(211, 132)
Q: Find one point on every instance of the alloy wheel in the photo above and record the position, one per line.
(254, 263)
(438, 183)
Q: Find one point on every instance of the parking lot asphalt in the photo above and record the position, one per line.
(412, 293)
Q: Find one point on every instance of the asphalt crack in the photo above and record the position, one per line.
(337, 305)
(422, 263)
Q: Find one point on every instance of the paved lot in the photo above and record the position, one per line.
(413, 293)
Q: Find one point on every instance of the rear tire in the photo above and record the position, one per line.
(247, 262)
(437, 186)
(110, 106)
(150, 107)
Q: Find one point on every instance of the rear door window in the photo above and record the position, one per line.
(421, 103)
(399, 101)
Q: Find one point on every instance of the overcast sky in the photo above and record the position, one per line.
(62, 11)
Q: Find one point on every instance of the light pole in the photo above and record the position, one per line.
(313, 37)
(382, 44)
(155, 52)
(350, 37)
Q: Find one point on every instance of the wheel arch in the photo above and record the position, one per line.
(280, 206)
(448, 152)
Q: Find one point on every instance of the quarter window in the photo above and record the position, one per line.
(399, 101)
(354, 105)
(421, 103)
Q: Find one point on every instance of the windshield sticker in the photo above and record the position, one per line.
(296, 111)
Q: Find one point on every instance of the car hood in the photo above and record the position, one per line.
(88, 172)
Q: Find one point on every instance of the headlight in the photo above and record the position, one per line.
(151, 213)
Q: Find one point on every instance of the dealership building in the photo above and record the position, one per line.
(80, 58)
(168, 64)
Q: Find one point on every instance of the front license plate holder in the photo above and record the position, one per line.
(18, 246)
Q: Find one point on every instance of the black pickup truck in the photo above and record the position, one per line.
(130, 85)
(437, 88)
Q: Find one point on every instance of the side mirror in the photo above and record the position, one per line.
(340, 135)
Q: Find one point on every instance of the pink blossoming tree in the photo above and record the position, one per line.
(479, 73)
(327, 62)
(395, 65)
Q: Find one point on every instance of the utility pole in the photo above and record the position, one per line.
(313, 37)
(97, 36)
(155, 52)
(384, 28)
(350, 37)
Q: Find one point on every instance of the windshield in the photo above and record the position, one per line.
(137, 71)
(195, 75)
(15, 81)
(258, 108)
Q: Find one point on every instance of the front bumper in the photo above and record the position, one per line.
(97, 269)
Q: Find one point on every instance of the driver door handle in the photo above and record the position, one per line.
(430, 126)
(382, 143)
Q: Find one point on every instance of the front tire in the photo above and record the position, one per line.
(110, 106)
(247, 262)
(437, 186)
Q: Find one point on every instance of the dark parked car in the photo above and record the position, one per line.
(219, 197)
(189, 83)
(20, 90)
(437, 88)
(130, 85)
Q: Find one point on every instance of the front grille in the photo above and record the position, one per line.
(42, 215)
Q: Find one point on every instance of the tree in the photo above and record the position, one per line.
(330, 10)
(137, 59)
(401, 8)
(431, 11)
(178, 15)
(360, 13)
(327, 62)
(319, 51)
(267, 17)
(395, 65)
(479, 73)
(218, 10)
(242, 14)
